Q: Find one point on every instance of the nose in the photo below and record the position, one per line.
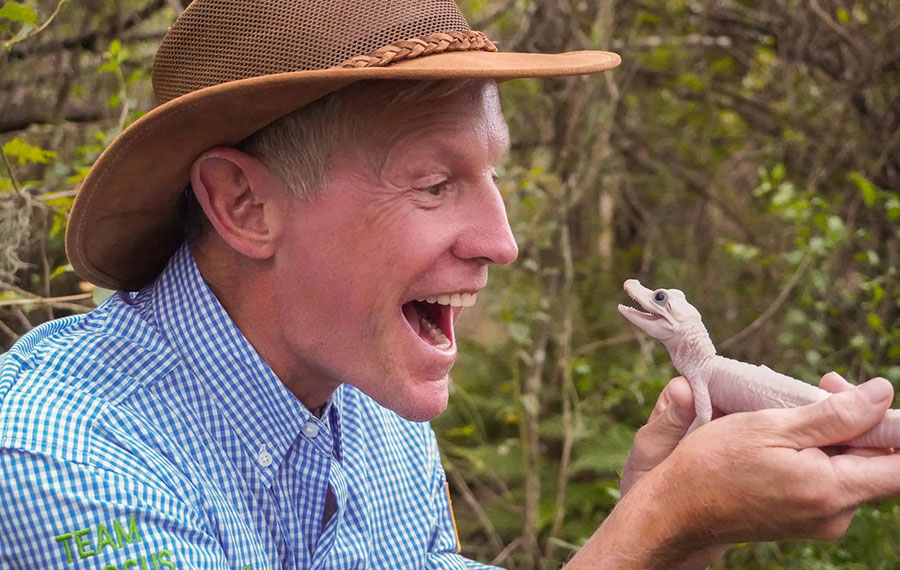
(487, 237)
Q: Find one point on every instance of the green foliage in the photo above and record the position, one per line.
(25, 153)
(16, 12)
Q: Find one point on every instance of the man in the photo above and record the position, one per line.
(257, 403)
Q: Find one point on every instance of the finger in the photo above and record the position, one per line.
(667, 424)
(867, 478)
(834, 383)
(677, 392)
(840, 417)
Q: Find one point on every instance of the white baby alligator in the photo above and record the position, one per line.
(729, 385)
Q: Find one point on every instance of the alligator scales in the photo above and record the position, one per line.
(729, 385)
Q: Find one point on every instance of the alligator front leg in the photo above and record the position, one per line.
(702, 405)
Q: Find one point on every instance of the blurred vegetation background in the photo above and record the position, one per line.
(746, 151)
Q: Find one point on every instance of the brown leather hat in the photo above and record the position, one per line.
(227, 68)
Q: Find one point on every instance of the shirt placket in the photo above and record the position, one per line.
(314, 469)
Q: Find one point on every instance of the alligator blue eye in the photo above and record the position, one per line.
(660, 297)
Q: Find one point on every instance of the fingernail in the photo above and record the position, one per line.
(876, 390)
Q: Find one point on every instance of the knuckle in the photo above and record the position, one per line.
(648, 436)
(640, 441)
(643, 433)
(831, 503)
(837, 409)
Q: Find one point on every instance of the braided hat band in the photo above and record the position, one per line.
(416, 47)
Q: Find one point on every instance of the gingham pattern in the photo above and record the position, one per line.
(149, 434)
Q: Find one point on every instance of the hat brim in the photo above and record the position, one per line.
(126, 219)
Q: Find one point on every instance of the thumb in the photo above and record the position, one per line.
(667, 424)
(842, 416)
(672, 423)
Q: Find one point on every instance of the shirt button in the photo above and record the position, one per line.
(264, 458)
(310, 429)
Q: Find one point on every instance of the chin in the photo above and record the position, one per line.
(421, 403)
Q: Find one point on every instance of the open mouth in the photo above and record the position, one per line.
(633, 289)
(431, 318)
(639, 314)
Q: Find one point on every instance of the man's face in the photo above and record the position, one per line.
(371, 274)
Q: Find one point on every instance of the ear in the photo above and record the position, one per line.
(236, 192)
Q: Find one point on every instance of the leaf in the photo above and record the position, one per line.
(16, 12)
(742, 251)
(692, 81)
(59, 225)
(777, 172)
(137, 75)
(25, 153)
(461, 431)
(61, 270)
(869, 192)
(784, 194)
(114, 100)
(109, 67)
(892, 208)
(874, 321)
(80, 173)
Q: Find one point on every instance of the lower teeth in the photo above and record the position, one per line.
(437, 335)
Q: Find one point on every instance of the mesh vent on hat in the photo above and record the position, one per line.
(215, 41)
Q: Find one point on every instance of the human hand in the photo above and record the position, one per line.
(745, 477)
(763, 475)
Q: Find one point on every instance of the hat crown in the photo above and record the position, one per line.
(216, 41)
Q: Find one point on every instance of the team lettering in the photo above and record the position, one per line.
(86, 543)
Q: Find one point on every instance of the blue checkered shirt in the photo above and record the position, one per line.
(148, 434)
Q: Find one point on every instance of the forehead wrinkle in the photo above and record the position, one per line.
(387, 131)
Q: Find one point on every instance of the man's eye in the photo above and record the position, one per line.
(437, 189)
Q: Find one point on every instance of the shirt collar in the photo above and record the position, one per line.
(264, 415)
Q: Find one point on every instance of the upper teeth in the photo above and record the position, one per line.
(454, 300)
